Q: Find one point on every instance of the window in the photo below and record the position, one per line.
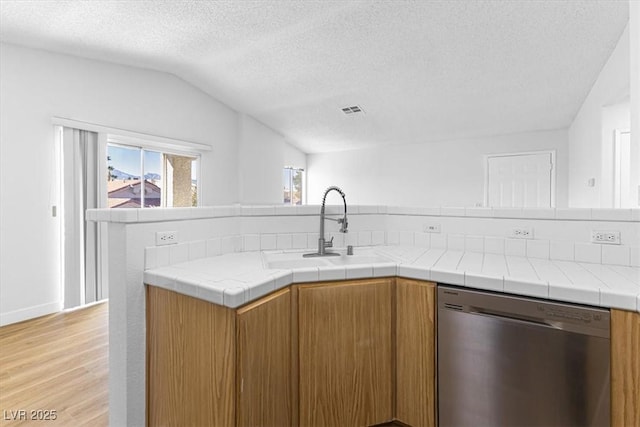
(292, 183)
(139, 177)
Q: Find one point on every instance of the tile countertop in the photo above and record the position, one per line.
(238, 278)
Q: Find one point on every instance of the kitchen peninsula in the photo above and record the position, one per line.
(227, 272)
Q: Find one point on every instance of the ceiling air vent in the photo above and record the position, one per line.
(352, 110)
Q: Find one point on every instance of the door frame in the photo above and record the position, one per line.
(617, 160)
(486, 158)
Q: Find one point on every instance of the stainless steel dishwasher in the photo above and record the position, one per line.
(512, 361)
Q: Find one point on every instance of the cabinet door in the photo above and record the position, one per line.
(415, 353)
(345, 354)
(190, 361)
(625, 368)
(264, 362)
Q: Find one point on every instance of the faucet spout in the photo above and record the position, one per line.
(344, 224)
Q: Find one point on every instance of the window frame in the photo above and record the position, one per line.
(104, 140)
(303, 198)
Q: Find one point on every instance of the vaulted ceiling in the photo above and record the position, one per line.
(420, 70)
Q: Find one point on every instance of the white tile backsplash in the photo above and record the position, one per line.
(587, 252)
(312, 240)
(494, 245)
(455, 242)
(515, 247)
(616, 255)
(179, 253)
(350, 239)
(561, 250)
(268, 242)
(284, 241)
(538, 249)
(474, 243)
(421, 240)
(439, 241)
(635, 256)
(377, 237)
(197, 249)
(162, 257)
(406, 238)
(230, 244)
(299, 241)
(251, 242)
(566, 238)
(213, 247)
(364, 238)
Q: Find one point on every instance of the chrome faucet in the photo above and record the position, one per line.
(322, 243)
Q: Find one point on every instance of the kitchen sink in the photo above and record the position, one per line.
(358, 259)
(289, 264)
(294, 260)
(290, 261)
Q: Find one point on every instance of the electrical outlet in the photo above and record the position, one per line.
(522, 233)
(166, 238)
(605, 237)
(431, 228)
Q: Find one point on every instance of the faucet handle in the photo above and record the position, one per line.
(329, 244)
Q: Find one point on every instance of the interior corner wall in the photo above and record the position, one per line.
(634, 68)
(37, 85)
(585, 133)
(445, 173)
(294, 157)
(262, 154)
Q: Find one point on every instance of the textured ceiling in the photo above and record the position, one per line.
(421, 70)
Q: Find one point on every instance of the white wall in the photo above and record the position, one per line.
(294, 157)
(585, 133)
(37, 85)
(613, 117)
(447, 173)
(634, 32)
(262, 154)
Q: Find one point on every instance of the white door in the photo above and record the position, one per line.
(520, 180)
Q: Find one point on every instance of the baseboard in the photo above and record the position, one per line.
(29, 313)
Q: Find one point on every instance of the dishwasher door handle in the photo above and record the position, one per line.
(514, 318)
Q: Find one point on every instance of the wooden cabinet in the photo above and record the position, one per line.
(264, 362)
(191, 363)
(415, 353)
(350, 353)
(625, 368)
(345, 353)
(209, 365)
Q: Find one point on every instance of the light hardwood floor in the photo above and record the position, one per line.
(56, 363)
